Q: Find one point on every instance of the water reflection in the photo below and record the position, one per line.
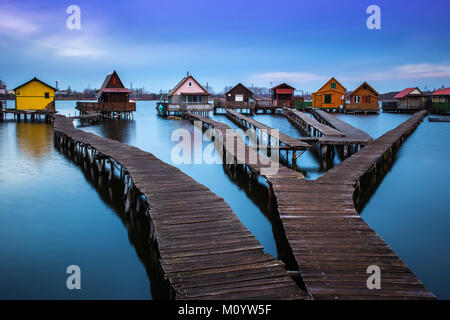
(135, 221)
(116, 129)
(32, 139)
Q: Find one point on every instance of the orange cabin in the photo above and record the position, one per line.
(331, 95)
(363, 98)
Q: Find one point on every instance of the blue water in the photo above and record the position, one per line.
(52, 217)
(410, 209)
(52, 214)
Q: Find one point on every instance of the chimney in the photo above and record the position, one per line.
(187, 74)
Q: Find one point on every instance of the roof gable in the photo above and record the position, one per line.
(238, 86)
(34, 79)
(408, 91)
(333, 79)
(283, 86)
(112, 81)
(182, 87)
(368, 86)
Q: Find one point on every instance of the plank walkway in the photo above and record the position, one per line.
(332, 244)
(352, 135)
(205, 250)
(242, 152)
(314, 127)
(292, 143)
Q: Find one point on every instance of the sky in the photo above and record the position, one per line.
(153, 43)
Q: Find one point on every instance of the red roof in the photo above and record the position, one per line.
(442, 92)
(120, 90)
(405, 92)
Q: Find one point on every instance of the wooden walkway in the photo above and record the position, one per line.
(332, 244)
(283, 139)
(351, 133)
(241, 153)
(205, 250)
(310, 125)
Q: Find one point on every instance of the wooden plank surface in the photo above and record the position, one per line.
(283, 138)
(205, 250)
(332, 244)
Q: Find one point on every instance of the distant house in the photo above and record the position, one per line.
(410, 99)
(112, 97)
(363, 99)
(330, 96)
(283, 95)
(188, 92)
(441, 99)
(35, 95)
(239, 93)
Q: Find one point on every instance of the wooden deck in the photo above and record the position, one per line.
(246, 122)
(332, 244)
(310, 125)
(351, 133)
(26, 114)
(205, 250)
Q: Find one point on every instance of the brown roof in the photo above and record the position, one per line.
(370, 87)
(332, 78)
(239, 84)
(106, 82)
(284, 85)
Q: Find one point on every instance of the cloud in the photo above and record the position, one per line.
(72, 46)
(407, 71)
(294, 77)
(11, 22)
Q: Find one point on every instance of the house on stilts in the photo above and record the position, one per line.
(113, 99)
(187, 96)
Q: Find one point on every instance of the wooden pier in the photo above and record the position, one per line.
(310, 126)
(205, 250)
(328, 134)
(332, 244)
(283, 141)
(26, 115)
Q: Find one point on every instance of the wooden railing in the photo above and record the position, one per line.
(106, 107)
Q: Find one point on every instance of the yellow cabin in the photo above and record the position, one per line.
(331, 95)
(35, 95)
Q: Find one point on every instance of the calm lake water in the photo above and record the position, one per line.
(55, 214)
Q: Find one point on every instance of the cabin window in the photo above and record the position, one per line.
(333, 85)
(328, 98)
(356, 99)
(239, 97)
(190, 84)
(47, 95)
(192, 99)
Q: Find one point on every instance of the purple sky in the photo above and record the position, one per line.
(154, 43)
